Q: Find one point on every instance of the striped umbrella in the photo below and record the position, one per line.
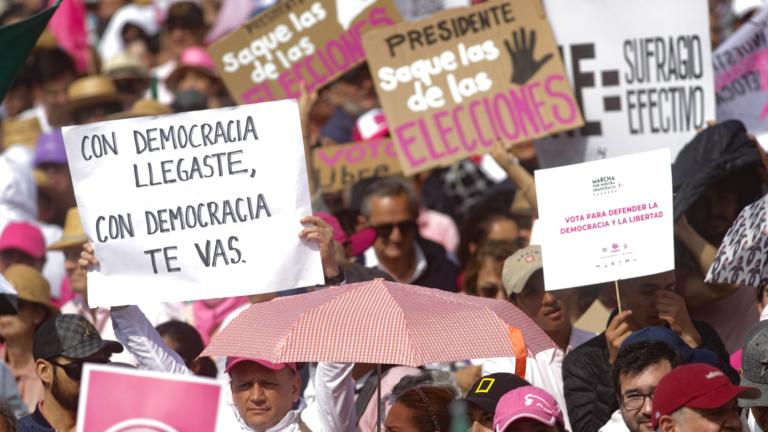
(380, 322)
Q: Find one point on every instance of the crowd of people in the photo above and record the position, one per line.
(681, 354)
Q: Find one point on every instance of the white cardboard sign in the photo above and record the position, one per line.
(641, 73)
(606, 220)
(195, 205)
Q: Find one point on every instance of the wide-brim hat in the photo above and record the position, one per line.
(73, 234)
(125, 66)
(143, 108)
(30, 286)
(21, 131)
(193, 58)
(86, 92)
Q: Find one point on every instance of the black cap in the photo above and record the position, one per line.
(70, 336)
(185, 14)
(486, 392)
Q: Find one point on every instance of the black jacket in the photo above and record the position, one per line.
(587, 385)
(441, 272)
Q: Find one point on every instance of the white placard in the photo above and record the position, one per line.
(195, 205)
(641, 72)
(741, 76)
(606, 220)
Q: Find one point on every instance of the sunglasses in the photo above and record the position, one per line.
(75, 370)
(405, 228)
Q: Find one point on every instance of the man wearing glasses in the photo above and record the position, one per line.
(391, 207)
(62, 345)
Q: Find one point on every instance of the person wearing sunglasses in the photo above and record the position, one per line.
(62, 346)
(391, 207)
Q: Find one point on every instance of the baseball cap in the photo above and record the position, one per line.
(519, 267)
(753, 364)
(23, 236)
(70, 336)
(527, 402)
(370, 125)
(50, 149)
(695, 385)
(233, 361)
(486, 392)
(674, 341)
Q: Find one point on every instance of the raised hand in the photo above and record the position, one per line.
(521, 51)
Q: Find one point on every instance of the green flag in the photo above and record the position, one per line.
(16, 41)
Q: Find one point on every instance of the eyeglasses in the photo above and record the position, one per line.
(74, 370)
(635, 401)
(405, 227)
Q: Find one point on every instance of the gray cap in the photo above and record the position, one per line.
(754, 364)
(519, 267)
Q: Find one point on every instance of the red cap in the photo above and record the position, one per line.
(25, 237)
(695, 385)
(233, 361)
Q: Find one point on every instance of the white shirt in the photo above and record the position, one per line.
(371, 260)
(332, 411)
(545, 370)
(615, 424)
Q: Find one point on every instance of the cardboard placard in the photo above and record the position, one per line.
(641, 74)
(313, 41)
(116, 399)
(454, 83)
(606, 220)
(341, 166)
(197, 205)
(741, 76)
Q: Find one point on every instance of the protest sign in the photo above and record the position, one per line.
(297, 41)
(641, 74)
(341, 166)
(741, 76)
(454, 83)
(606, 220)
(196, 205)
(116, 399)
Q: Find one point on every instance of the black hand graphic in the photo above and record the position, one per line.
(523, 64)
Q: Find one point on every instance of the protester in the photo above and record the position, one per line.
(698, 397)
(186, 341)
(22, 243)
(528, 408)
(62, 345)
(52, 72)
(421, 409)
(753, 374)
(646, 301)
(90, 99)
(129, 75)
(485, 394)
(483, 273)
(51, 160)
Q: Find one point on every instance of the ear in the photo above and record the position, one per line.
(44, 372)
(296, 387)
(666, 424)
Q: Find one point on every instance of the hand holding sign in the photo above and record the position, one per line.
(524, 66)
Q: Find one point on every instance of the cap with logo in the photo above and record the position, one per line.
(70, 336)
(486, 392)
(527, 402)
(519, 267)
(695, 385)
(754, 364)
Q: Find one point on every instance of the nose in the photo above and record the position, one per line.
(647, 407)
(396, 234)
(549, 298)
(257, 395)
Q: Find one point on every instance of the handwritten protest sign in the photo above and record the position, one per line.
(196, 205)
(741, 76)
(454, 83)
(341, 166)
(641, 74)
(294, 41)
(116, 399)
(606, 220)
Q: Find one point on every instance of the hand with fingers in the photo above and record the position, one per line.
(617, 331)
(521, 51)
(672, 310)
(321, 233)
(88, 260)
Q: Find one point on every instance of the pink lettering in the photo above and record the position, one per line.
(405, 142)
(444, 131)
(570, 104)
(329, 161)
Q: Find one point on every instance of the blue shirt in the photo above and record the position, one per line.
(35, 422)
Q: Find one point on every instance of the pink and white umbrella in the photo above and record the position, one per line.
(379, 322)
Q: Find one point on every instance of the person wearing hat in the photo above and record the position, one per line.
(71, 244)
(195, 71)
(129, 75)
(22, 243)
(18, 331)
(143, 108)
(698, 397)
(51, 160)
(62, 345)
(528, 408)
(485, 394)
(753, 374)
(91, 99)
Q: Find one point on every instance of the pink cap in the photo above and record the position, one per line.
(370, 125)
(233, 361)
(198, 57)
(526, 402)
(25, 237)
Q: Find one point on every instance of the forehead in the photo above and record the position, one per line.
(648, 377)
(254, 371)
(390, 206)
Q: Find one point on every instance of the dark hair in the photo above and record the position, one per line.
(635, 358)
(477, 225)
(760, 291)
(6, 413)
(430, 406)
(390, 187)
(497, 250)
(190, 345)
(51, 63)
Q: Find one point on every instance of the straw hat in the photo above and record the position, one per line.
(73, 234)
(30, 285)
(143, 108)
(125, 66)
(21, 131)
(86, 92)
(193, 58)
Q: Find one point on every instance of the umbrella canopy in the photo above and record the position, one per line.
(743, 256)
(378, 322)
